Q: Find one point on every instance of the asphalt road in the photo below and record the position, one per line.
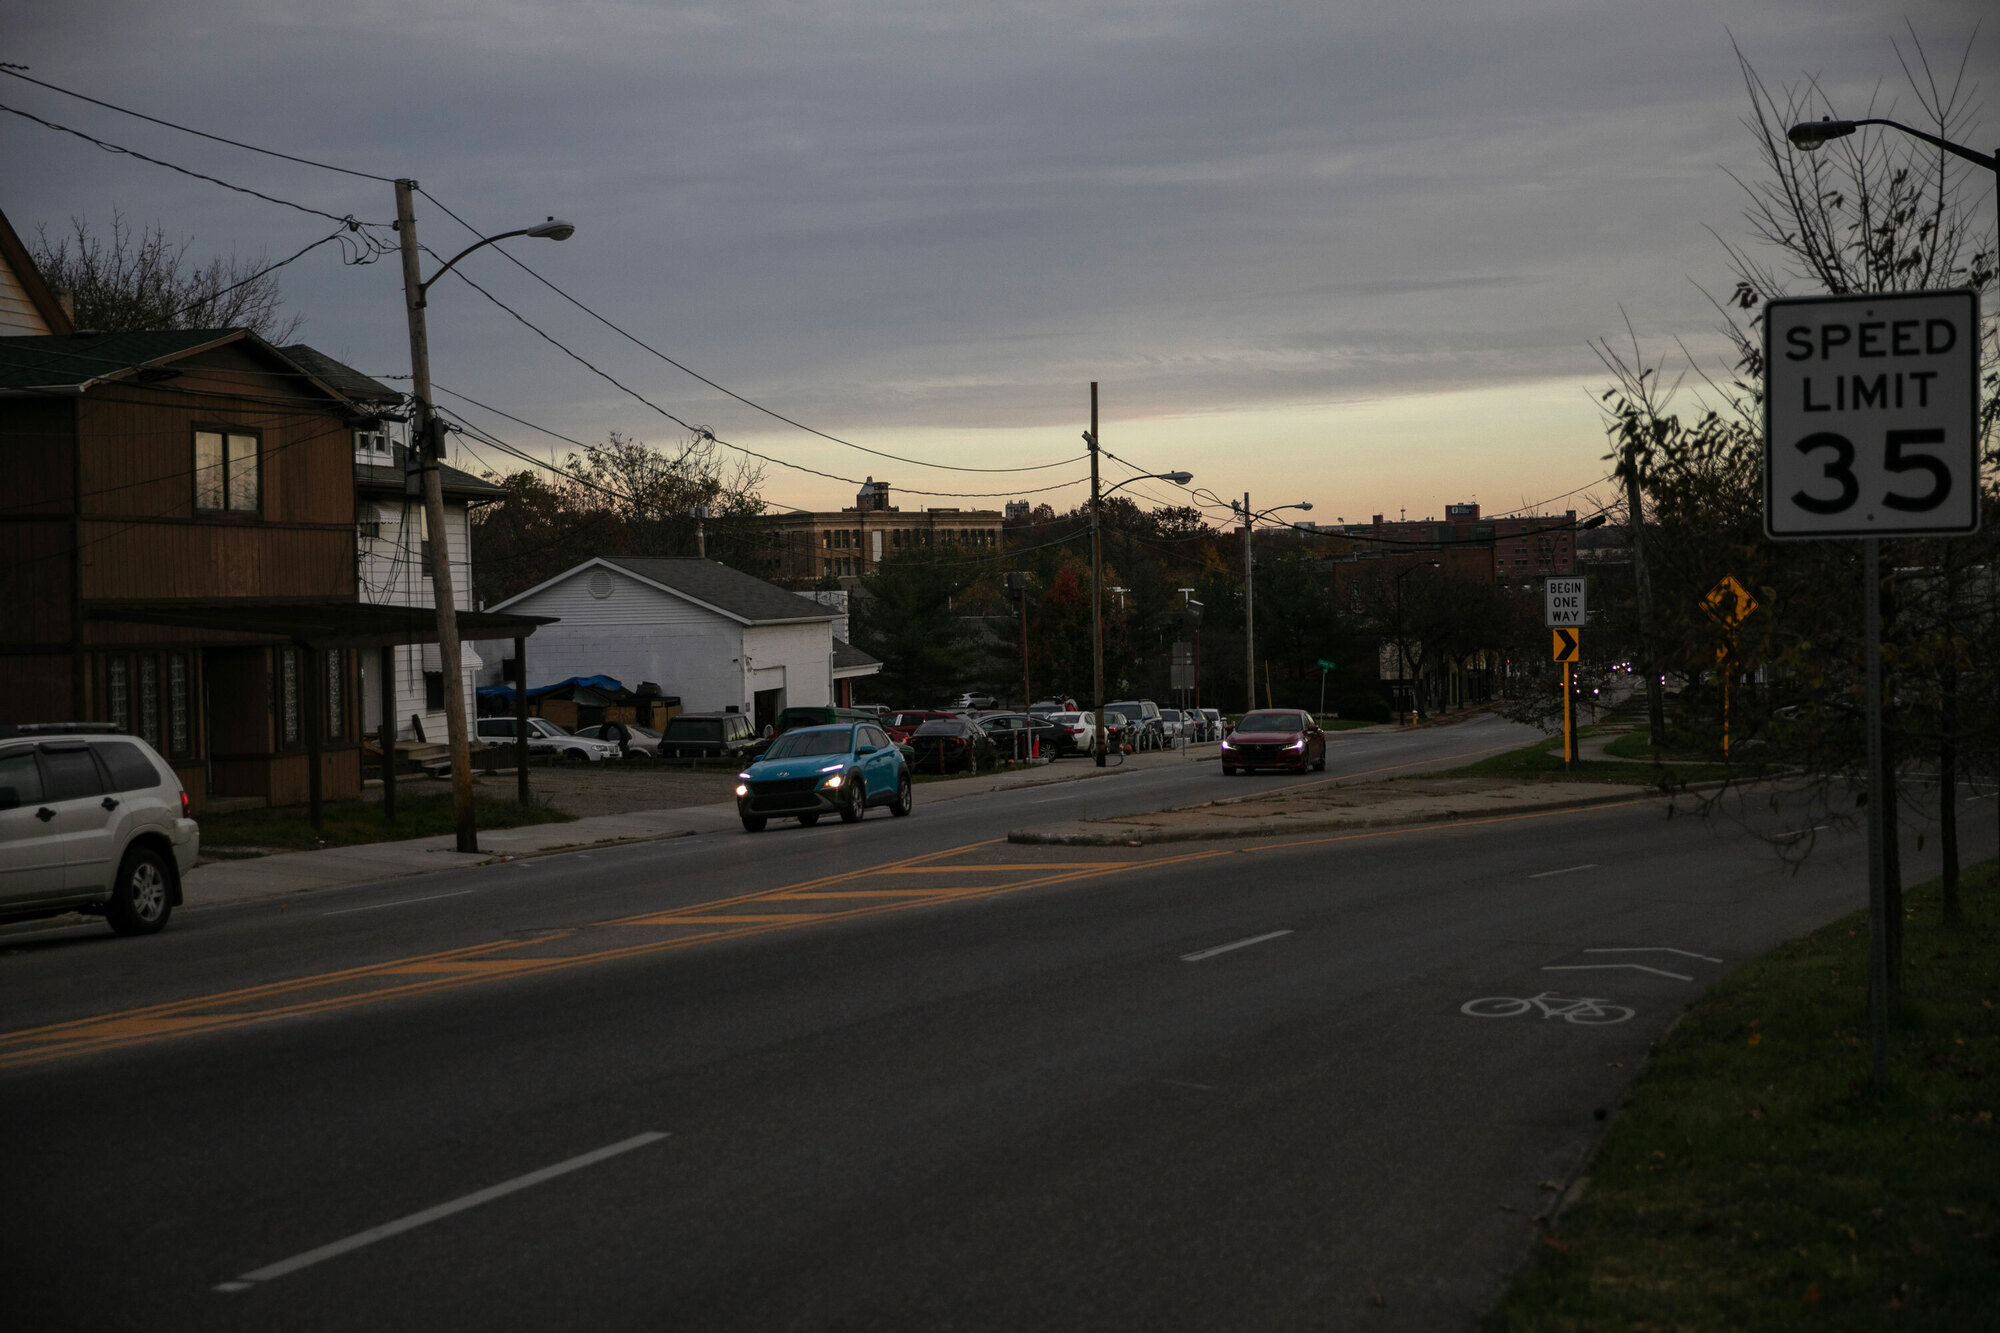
(895, 1075)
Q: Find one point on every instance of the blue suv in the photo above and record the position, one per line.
(809, 771)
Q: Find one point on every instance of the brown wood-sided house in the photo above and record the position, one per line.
(178, 551)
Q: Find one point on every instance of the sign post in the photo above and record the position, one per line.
(1568, 647)
(1565, 606)
(1729, 604)
(1871, 430)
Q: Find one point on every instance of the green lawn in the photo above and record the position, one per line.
(347, 823)
(1542, 762)
(1756, 1180)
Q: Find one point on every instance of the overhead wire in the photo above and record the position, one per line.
(708, 434)
(685, 369)
(110, 147)
(19, 72)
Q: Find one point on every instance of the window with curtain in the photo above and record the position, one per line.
(225, 472)
(288, 695)
(336, 695)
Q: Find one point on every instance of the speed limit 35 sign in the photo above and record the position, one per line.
(1871, 415)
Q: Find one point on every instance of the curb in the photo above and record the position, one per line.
(1111, 834)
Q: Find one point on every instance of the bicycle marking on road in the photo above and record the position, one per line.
(1583, 1011)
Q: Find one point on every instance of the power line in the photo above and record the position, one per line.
(18, 72)
(708, 434)
(636, 341)
(186, 171)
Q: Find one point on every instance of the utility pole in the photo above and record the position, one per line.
(426, 450)
(1656, 714)
(1096, 590)
(1249, 630)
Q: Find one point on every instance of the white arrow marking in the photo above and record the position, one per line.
(1658, 949)
(1610, 967)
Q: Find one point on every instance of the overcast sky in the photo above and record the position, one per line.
(1348, 252)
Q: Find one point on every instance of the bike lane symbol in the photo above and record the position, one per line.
(1571, 1009)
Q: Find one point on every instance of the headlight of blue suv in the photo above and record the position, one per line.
(833, 781)
(742, 789)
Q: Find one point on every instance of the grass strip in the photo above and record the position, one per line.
(1756, 1179)
(350, 823)
(1541, 761)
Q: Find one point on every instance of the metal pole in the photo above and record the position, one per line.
(521, 718)
(1096, 589)
(386, 657)
(1249, 628)
(422, 452)
(1569, 721)
(1878, 916)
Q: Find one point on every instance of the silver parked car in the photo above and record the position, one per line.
(91, 820)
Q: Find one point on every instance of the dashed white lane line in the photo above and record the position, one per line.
(285, 1267)
(1566, 870)
(1200, 954)
(400, 902)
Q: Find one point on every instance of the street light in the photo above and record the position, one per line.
(1097, 569)
(1249, 584)
(1810, 135)
(427, 448)
(1402, 655)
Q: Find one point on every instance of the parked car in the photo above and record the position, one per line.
(1176, 725)
(1080, 728)
(709, 736)
(91, 820)
(981, 701)
(950, 744)
(902, 723)
(1275, 738)
(644, 742)
(811, 771)
(546, 738)
(1214, 716)
(818, 715)
(1148, 733)
(1120, 732)
(1064, 705)
(1025, 736)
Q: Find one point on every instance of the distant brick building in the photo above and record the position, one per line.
(808, 547)
(1507, 550)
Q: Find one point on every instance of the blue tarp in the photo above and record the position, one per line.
(605, 684)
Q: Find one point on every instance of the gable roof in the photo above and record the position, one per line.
(78, 362)
(14, 257)
(388, 479)
(741, 597)
(851, 661)
(352, 384)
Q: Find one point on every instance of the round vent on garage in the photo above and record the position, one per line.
(601, 584)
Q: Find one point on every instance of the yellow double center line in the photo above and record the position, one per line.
(824, 899)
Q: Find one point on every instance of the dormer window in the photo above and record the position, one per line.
(371, 445)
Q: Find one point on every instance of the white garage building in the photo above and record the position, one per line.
(715, 636)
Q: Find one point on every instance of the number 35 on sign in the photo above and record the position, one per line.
(1871, 415)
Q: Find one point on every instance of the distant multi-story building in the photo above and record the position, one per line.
(1511, 550)
(809, 547)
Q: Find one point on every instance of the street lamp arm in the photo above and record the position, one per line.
(1178, 478)
(552, 229)
(1810, 134)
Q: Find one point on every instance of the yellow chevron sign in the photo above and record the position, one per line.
(1568, 645)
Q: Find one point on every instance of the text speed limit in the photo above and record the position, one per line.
(1870, 415)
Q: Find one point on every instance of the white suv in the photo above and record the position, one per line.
(91, 820)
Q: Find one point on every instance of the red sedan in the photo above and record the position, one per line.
(1275, 738)
(901, 724)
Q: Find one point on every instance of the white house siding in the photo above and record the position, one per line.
(392, 574)
(18, 316)
(638, 633)
(804, 652)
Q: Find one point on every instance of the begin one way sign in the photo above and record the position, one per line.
(1565, 602)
